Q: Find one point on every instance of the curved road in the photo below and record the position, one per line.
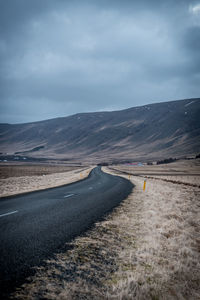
(36, 225)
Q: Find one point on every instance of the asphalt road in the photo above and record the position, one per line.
(35, 226)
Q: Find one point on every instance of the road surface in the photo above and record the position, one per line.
(36, 225)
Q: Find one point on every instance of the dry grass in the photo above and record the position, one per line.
(19, 170)
(182, 172)
(180, 167)
(186, 179)
(29, 182)
(148, 248)
(166, 261)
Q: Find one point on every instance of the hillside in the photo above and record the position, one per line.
(152, 131)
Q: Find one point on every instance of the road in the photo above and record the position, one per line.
(36, 225)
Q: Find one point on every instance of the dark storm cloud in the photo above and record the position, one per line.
(63, 57)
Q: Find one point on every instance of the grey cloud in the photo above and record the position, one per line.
(191, 40)
(191, 44)
(74, 56)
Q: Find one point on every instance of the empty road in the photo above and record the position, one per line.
(36, 225)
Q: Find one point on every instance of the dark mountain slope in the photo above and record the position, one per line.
(150, 131)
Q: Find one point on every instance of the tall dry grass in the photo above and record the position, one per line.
(166, 261)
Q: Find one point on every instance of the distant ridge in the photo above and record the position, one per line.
(153, 131)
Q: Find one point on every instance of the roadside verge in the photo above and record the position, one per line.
(25, 184)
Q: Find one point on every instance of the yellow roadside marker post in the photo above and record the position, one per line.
(144, 186)
(129, 176)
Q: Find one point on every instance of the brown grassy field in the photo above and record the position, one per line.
(147, 248)
(17, 179)
(180, 167)
(18, 170)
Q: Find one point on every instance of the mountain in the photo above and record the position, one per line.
(155, 131)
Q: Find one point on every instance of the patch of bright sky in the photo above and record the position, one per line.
(195, 9)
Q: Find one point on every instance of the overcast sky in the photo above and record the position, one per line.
(61, 57)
